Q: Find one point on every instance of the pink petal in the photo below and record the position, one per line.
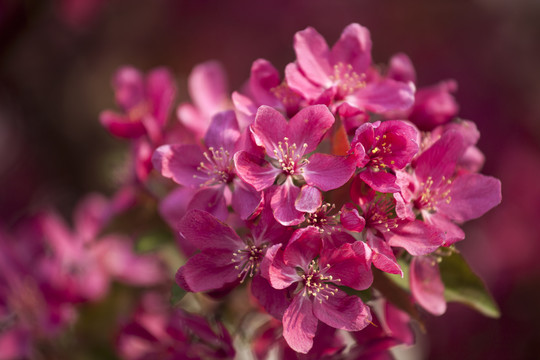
(329, 172)
(161, 91)
(304, 246)
(298, 82)
(245, 199)
(255, 171)
(192, 118)
(91, 215)
(264, 78)
(342, 312)
(417, 237)
(401, 69)
(269, 128)
(223, 131)
(299, 324)
(117, 256)
(309, 200)
(207, 232)
(211, 200)
(351, 219)
(312, 54)
(309, 125)
(426, 284)
(381, 181)
(274, 301)
(208, 87)
(282, 201)
(398, 324)
(354, 48)
(349, 264)
(210, 270)
(128, 84)
(450, 232)
(121, 125)
(440, 159)
(471, 196)
(383, 96)
(383, 256)
(280, 274)
(180, 163)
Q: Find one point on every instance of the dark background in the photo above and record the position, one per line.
(57, 58)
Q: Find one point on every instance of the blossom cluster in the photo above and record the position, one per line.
(328, 201)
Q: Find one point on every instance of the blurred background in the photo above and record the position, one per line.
(57, 58)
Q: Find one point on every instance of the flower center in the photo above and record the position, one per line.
(346, 80)
(249, 259)
(378, 153)
(317, 284)
(431, 195)
(219, 167)
(379, 214)
(322, 218)
(290, 158)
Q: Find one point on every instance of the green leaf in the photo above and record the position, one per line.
(177, 294)
(464, 286)
(364, 295)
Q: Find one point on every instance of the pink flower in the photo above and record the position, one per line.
(313, 273)
(342, 75)
(443, 196)
(382, 148)
(265, 87)
(158, 332)
(288, 145)
(207, 85)
(85, 262)
(225, 258)
(145, 102)
(212, 171)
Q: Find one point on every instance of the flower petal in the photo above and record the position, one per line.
(342, 312)
(471, 196)
(354, 48)
(299, 324)
(426, 284)
(383, 96)
(207, 232)
(309, 125)
(180, 163)
(223, 131)
(312, 54)
(309, 200)
(329, 172)
(210, 270)
(282, 201)
(255, 170)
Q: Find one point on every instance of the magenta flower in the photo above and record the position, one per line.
(440, 195)
(211, 170)
(288, 145)
(342, 74)
(225, 258)
(158, 332)
(84, 263)
(265, 87)
(382, 148)
(314, 273)
(207, 85)
(145, 103)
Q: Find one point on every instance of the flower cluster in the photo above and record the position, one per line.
(310, 185)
